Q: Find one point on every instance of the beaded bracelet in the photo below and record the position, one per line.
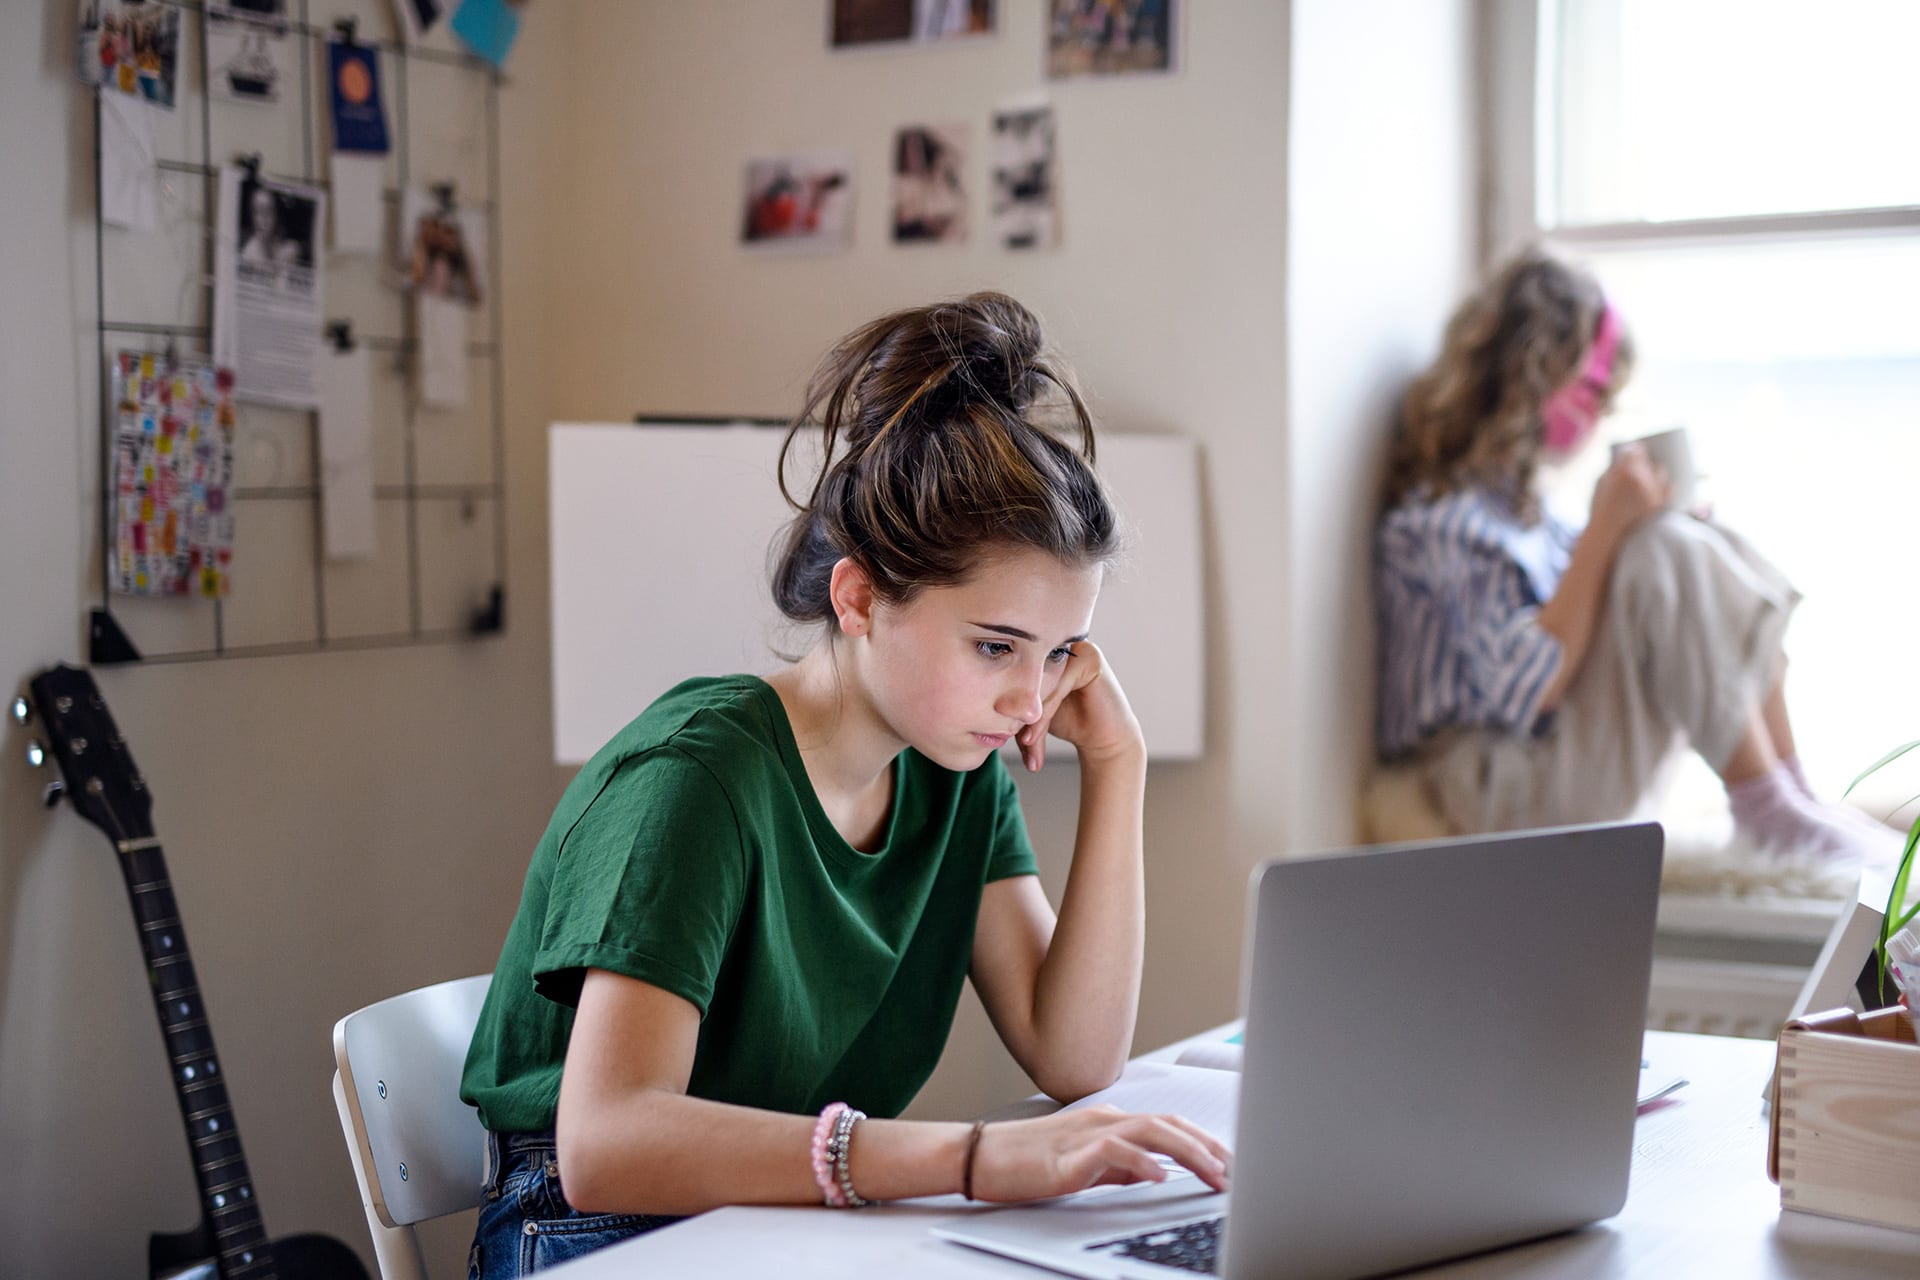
(823, 1171)
(840, 1153)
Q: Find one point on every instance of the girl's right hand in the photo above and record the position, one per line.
(1090, 1147)
(1631, 490)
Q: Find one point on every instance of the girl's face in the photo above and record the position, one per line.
(265, 212)
(958, 670)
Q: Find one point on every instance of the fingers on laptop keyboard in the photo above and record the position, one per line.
(1185, 1142)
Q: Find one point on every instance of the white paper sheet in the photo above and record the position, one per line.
(269, 273)
(346, 454)
(1221, 1055)
(441, 326)
(129, 179)
(1209, 1098)
(359, 206)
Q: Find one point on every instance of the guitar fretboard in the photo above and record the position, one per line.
(219, 1166)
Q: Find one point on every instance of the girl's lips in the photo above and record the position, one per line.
(992, 740)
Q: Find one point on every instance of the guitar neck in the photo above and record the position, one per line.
(230, 1213)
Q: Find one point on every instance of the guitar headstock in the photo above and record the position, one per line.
(98, 770)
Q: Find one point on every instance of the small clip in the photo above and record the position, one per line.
(443, 192)
(348, 30)
(251, 163)
(340, 332)
(491, 617)
(170, 353)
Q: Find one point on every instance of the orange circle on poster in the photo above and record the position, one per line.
(355, 84)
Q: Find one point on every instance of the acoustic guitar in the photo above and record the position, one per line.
(99, 778)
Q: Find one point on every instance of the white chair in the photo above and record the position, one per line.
(418, 1151)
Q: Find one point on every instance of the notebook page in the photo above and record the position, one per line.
(1208, 1097)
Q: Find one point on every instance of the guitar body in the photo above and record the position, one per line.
(98, 776)
(309, 1256)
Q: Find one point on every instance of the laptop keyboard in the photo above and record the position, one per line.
(1192, 1246)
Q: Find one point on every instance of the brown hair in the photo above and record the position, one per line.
(933, 457)
(1473, 418)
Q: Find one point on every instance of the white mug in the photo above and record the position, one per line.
(1672, 452)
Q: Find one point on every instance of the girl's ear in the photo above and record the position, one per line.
(851, 591)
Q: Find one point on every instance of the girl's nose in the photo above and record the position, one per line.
(1021, 699)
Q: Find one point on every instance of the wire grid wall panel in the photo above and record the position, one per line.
(439, 571)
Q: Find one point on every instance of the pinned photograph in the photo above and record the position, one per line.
(276, 224)
(131, 48)
(799, 201)
(173, 469)
(247, 57)
(268, 278)
(1109, 37)
(443, 253)
(353, 98)
(863, 22)
(1025, 210)
(929, 189)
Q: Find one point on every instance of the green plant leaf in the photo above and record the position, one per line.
(1880, 764)
(1897, 914)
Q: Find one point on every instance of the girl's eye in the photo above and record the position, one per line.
(993, 648)
(1061, 654)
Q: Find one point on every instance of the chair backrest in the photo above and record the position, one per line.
(418, 1150)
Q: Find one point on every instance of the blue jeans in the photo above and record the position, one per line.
(526, 1224)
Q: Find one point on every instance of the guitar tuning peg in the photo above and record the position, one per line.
(52, 795)
(36, 753)
(22, 709)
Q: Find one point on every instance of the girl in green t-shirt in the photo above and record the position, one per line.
(754, 909)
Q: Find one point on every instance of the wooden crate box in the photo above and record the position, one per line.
(1846, 1117)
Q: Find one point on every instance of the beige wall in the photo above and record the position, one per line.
(1381, 239)
(344, 826)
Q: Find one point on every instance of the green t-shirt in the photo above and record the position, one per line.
(691, 852)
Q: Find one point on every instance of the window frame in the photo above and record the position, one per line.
(1521, 128)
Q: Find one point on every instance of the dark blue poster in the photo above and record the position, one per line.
(359, 121)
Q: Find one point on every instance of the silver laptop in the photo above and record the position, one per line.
(1442, 1056)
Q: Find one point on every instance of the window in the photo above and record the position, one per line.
(1689, 109)
(1743, 180)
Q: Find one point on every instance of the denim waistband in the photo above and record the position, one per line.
(503, 1147)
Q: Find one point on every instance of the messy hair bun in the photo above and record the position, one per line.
(932, 457)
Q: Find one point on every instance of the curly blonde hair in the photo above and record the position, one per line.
(1472, 420)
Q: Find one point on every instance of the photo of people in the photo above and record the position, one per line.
(1109, 37)
(799, 201)
(442, 258)
(929, 192)
(131, 48)
(276, 225)
(859, 22)
(1024, 211)
(244, 56)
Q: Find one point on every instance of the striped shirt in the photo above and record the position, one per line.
(1458, 585)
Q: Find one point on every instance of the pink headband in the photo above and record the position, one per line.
(1571, 413)
(1606, 341)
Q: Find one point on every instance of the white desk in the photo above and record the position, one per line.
(1700, 1205)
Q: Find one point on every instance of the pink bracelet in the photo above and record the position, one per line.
(822, 1166)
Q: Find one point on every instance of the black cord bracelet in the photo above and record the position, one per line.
(973, 1144)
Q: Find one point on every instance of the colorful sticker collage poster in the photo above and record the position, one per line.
(173, 471)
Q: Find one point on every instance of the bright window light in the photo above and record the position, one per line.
(1687, 109)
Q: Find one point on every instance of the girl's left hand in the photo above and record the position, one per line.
(1087, 708)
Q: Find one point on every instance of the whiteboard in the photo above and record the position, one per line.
(660, 541)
